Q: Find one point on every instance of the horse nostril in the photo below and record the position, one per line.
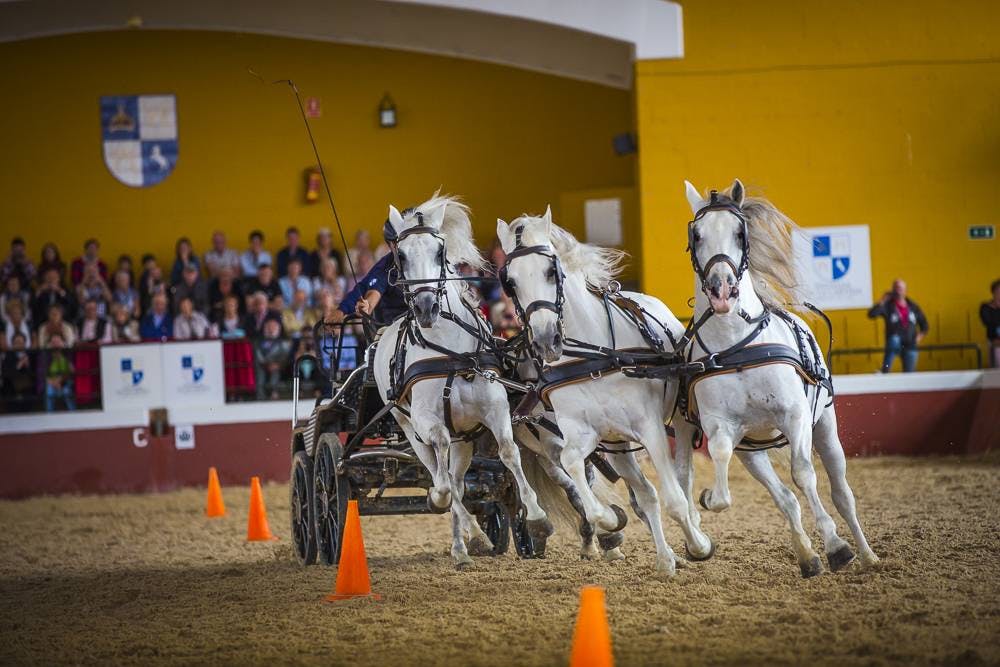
(557, 339)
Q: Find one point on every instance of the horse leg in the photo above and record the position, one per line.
(579, 441)
(684, 463)
(799, 434)
(439, 440)
(646, 504)
(588, 548)
(831, 453)
(538, 524)
(462, 520)
(721, 443)
(758, 464)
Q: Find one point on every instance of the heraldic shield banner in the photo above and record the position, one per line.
(139, 137)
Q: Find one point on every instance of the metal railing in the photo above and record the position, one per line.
(936, 347)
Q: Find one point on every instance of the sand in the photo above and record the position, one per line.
(148, 580)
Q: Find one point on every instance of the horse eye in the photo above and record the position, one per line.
(697, 237)
(739, 235)
(551, 273)
(402, 256)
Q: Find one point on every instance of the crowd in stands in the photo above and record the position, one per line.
(48, 308)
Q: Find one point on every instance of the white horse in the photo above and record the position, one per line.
(550, 274)
(741, 250)
(434, 237)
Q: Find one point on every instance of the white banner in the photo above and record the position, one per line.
(131, 377)
(835, 266)
(193, 374)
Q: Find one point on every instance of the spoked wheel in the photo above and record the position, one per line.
(303, 521)
(495, 522)
(524, 545)
(330, 495)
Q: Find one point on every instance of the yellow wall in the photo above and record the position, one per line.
(507, 140)
(852, 112)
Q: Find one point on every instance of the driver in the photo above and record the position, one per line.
(374, 295)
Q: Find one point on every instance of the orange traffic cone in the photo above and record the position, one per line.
(257, 528)
(592, 637)
(214, 506)
(352, 573)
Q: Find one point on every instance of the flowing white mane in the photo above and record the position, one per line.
(456, 229)
(597, 265)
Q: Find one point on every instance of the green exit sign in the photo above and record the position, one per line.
(982, 232)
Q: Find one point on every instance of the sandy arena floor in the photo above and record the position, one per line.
(149, 580)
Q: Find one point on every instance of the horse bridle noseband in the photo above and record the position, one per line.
(539, 304)
(719, 202)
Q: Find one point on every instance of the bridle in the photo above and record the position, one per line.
(719, 202)
(526, 312)
(420, 285)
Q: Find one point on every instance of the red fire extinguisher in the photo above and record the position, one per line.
(313, 185)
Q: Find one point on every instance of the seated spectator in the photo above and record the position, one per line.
(92, 326)
(52, 260)
(15, 323)
(125, 264)
(223, 286)
(55, 326)
(503, 317)
(123, 327)
(255, 255)
(14, 291)
(294, 282)
(91, 256)
(51, 293)
(220, 258)
(324, 251)
(94, 288)
(298, 315)
(271, 352)
(191, 287)
(124, 294)
(989, 313)
(230, 321)
(307, 367)
(157, 323)
(277, 304)
(18, 372)
(292, 251)
(151, 282)
(58, 376)
(264, 282)
(329, 278)
(18, 264)
(362, 246)
(905, 326)
(189, 324)
(363, 266)
(183, 256)
(259, 314)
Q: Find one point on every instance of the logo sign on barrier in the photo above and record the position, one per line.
(131, 376)
(184, 436)
(835, 266)
(193, 374)
(155, 375)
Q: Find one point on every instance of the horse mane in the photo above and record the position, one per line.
(596, 264)
(772, 262)
(456, 229)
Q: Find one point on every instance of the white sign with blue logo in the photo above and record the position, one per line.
(835, 266)
(131, 376)
(139, 137)
(193, 374)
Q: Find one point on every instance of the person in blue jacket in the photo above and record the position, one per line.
(157, 324)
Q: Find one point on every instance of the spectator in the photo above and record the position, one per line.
(151, 282)
(362, 245)
(307, 367)
(14, 291)
(189, 324)
(157, 324)
(329, 277)
(94, 288)
(264, 282)
(498, 258)
(364, 264)
(298, 315)
(503, 316)
(56, 327)
(295, 281)
(91, 256)
(191, 287)
(223, 286)
(255, 255)
(18, 264)
(52, 260)
(271, 352)
(220, 258)
(125, 264)
(324, 251)
(124, 294)
(15, 322)
(18, 374)
(229, 321)
(92, 326)
(123, 327)
(58, 376)
(989, 313)
(905, 326)
(183, 256)
(51, 293)
(259, 313)
(291, 252)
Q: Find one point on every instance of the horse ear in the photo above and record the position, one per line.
(503, 234)
(693, 197)
(739, 193)
(395, 219)
(436, 217)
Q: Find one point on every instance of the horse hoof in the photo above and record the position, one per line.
(812, 568)
(695, 559)
(464, 565)
(703, 499)
(435, 509)
(540, 529)
(622, 519)
(840, 558)
(665, 569)
(612, 555)
(610, 541)
(480, 545)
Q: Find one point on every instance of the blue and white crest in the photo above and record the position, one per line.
(132, 373)
(832, 255)
(195, 365)
(139, 137)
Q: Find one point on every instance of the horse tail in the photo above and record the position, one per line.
(551, 496)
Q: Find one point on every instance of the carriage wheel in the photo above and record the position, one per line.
(330, 497)
(524, 545)
(495, 522)
(303, 521)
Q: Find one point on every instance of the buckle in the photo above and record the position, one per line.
(596, 375)
(447, 392)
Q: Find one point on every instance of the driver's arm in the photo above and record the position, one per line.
(367, 304)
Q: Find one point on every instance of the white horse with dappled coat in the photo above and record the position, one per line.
(741, 251)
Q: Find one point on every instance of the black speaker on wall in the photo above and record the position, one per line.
(624, 143)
